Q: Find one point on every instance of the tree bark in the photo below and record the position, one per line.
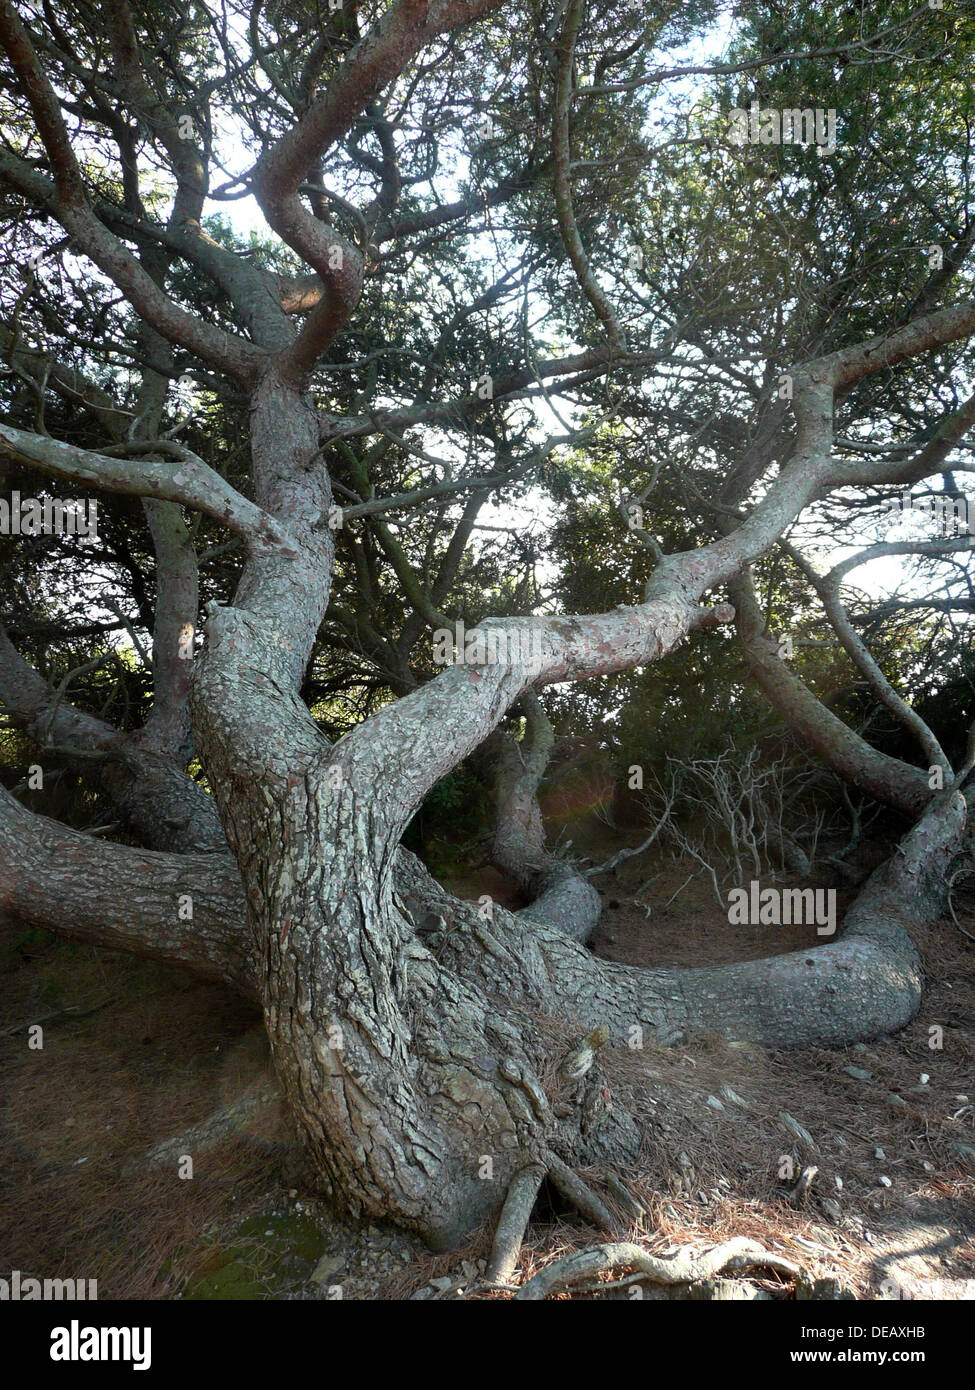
(405, 1027)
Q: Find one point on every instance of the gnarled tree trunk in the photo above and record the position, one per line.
(404, 1024)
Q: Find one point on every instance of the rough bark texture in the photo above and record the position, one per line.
(184, 909)
(405, 1039)
(404, 1026)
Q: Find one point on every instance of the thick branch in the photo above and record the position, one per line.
(562, 186)
(380, 57)
(884, 778)
(125, 899)
(189, 481)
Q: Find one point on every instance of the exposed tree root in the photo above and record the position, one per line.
(623, 1197)
(566, 901)
(512, 1223)
(519, 1203)
(687, 1267)
(579, 1193)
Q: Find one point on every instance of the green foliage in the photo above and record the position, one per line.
(454, 819)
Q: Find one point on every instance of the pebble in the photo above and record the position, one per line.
(794, 1127)
(326, 1267)
(732, 1097)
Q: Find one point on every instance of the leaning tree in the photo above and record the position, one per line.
(491, 244)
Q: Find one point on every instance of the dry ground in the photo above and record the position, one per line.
(136, 1053)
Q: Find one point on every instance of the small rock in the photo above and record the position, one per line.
(732, 1097)
(885, 1182)
(714, 1103)
(858, 1073)
(879, 1153)
(795, 1128)
(924, 1078)
(326, 1267)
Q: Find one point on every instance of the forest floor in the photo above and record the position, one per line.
(135, 1054)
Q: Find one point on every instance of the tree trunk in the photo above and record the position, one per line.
(407, 1027)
